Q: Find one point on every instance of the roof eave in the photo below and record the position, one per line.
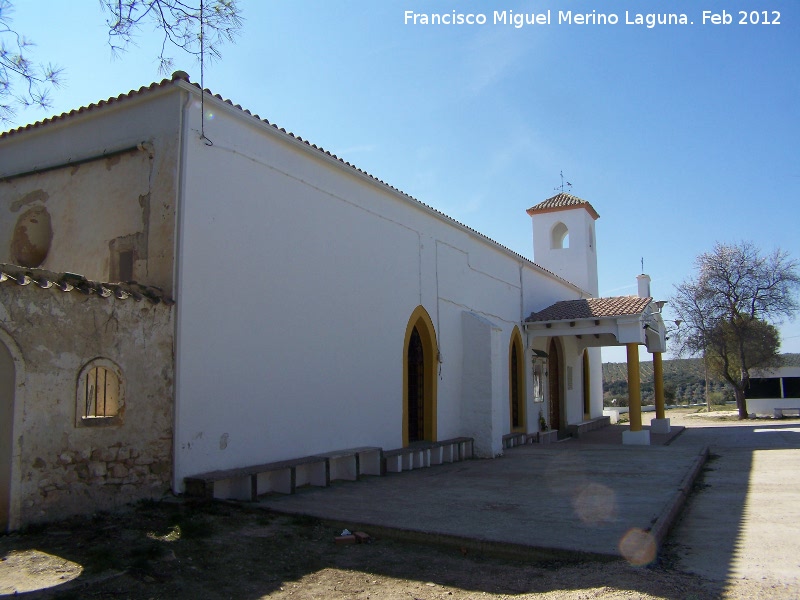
(585, 205)
(341, 164)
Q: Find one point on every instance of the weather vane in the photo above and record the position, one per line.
(561, 188)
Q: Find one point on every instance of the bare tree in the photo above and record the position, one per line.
(23, 81)
(729, 309)
(199, 27)
(196, 27)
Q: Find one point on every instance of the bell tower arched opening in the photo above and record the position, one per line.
(559, 236)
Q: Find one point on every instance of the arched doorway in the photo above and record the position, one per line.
(420, 360)
(516, 382)
(554, 384)
(416, 388)
(7, 385)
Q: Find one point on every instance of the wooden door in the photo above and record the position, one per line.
(416, 388)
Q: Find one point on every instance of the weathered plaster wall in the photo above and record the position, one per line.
(7, 385)
(93, 209)
(59, 468)
(97, 206)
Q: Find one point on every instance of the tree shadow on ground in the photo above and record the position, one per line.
(179, 550)
(222, 551)
(709, 538)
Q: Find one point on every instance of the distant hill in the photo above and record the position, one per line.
(684, 380)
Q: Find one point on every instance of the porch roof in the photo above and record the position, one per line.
(591, 308)
(598, 322)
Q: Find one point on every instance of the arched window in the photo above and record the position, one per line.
(101, 394)
(559, 237)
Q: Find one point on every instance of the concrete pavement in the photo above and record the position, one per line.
(596, 498)
(744, 521)
(565, 499)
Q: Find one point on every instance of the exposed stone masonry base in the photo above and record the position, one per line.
(117, 474)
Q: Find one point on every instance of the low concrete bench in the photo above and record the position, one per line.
(352, 463)
(285, 476)
(511, 440)
(425, 454)
(578, 429)
(247, 483)
(779, 413)
(548, 437)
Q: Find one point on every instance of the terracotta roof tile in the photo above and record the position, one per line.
(591, 308)
(562, 201)
(68, 282)
(83, 109)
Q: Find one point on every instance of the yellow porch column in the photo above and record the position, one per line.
(634, 388)
(658, 383)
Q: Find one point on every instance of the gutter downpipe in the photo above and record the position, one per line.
(183, 134)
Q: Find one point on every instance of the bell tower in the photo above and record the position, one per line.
(564, 239)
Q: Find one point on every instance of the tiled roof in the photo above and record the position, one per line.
(178, 76)
(591, 308)
(84, 109)
(562, 201)
(68, 282)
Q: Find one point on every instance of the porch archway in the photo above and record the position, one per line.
(587, 385)
(554, 384)
(516, 382)
(7, 385)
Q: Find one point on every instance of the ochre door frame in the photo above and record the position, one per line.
(430, 352)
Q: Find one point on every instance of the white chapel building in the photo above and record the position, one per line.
(180, 298)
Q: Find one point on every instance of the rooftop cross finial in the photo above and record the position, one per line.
(563, 183)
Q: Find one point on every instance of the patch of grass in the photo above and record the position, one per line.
(304, 520)
(264, 519)
(140, 556)
(33, 529)
(173, 535)
(102, 558)
(193, 526)
(71, 595)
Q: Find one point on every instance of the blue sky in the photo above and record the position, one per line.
(679, 135)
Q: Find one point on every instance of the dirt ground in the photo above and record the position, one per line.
(178, 550)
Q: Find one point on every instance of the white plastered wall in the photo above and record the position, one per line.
(578, 262)
(296, 281)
